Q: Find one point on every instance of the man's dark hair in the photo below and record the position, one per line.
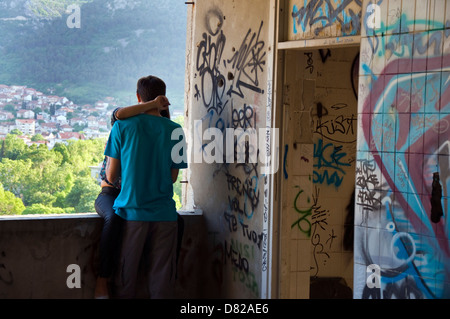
(149, 87)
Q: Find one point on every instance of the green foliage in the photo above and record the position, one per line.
(10, 204)
(57, 178)
(36, 180)
(14, 175)
(37, 138)
(12, 146)
(84, 153)
(42, 209)
(177, 190)
(62, 149)
(177, 200)
(16, 132)
(83, 194)
(180, 120)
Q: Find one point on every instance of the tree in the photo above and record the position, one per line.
(83, 194)
(57, 178)
(9, 108)
(42, 209)
(61, 196)
(62, 149)
(85, 153)
(38, 197)
(10, 204)
(37, 138)
(13, 174)
(78, 127)
(52, 109)
(16, 132)
(13, 147)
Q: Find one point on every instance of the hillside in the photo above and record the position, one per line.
(118, 41)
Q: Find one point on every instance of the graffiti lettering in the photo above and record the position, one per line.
(366, 182)
(248, 61)
(339, 125)
(309, 62)
(320, 14)
(237, 260)
(319, 224)
(244, 118)
(209, 55)
(251, 235)
(328, 157)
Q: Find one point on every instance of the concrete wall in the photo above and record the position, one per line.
(402, 244)
(35, 253)
(228, 85)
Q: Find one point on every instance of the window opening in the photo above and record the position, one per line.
(64, 67)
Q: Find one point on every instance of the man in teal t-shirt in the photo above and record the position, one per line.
(147, 151)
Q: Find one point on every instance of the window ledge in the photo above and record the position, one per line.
(48, 216)
(192, 212)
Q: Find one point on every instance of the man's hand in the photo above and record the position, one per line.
(162, 103)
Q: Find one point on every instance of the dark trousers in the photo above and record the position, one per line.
(111, 233)
(152, 246)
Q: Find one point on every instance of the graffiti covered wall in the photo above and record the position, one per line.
(402, 243)
(228, 97)
(401, 166)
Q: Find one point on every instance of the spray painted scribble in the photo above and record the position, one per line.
(247, 62)
(329, 163)
(302, 223)
(317, 15)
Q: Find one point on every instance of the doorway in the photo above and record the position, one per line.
(319, 135)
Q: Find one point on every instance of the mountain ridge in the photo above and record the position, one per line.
(118, 42)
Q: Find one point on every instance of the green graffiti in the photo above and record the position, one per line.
(304, 227)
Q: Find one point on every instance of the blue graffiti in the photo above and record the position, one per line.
(324, 13)
(328, 164)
